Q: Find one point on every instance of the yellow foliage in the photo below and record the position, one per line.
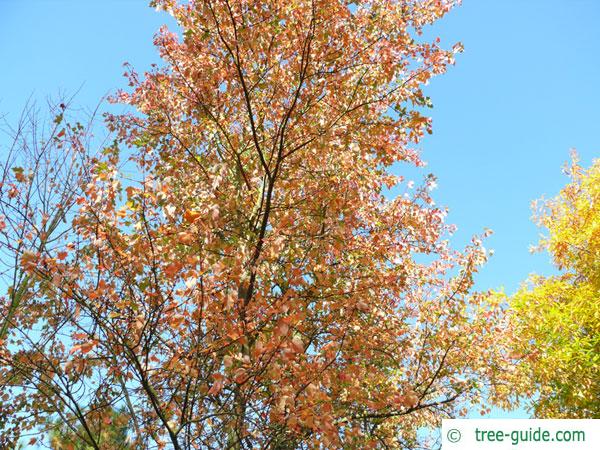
(558, 317)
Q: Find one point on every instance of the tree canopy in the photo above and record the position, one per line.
(234, 274)
(558, 317)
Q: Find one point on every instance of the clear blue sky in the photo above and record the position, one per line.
(523, 93)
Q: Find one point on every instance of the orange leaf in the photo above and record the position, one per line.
(172, 269)
(176, 320)
(191, 216)
(84, 348)
(88, 347)
(186, 238)
(240, 375)
(217, 385)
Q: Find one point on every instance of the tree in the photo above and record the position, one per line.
(38, 187)
(41, 171)
(558, 317)
(238, 277)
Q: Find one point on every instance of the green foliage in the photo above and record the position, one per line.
(108, 429)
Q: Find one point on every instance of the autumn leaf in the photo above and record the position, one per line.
(191, 216)
(19, 174)
(84, 348)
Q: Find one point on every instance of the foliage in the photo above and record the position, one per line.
(109, 431)
(38, 186)
(42, 169)
(558, 317)
(235, 276)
